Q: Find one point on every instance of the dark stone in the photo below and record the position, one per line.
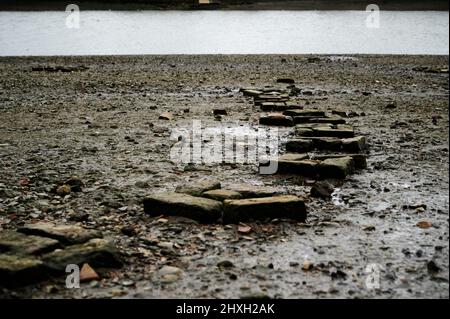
(322, 190)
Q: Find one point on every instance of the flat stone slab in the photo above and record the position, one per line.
(273, 106)
(13, 242)
(276, 120)
(293, 157)
(222, 194)
(360, 160)
(306, 168)
(340, 132)
(305, 112)
(354, 144)
(299, 145)
(336, 168)
(65, 234)
(20, 270)
(183, 205)
(251, 92)
(289, 207)
(330, 120)
(197, 188)
(96, 252)
(250, 191)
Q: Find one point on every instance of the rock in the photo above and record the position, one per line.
(220, 112)
(354, 144)
(222, 194)
(303, 167)
(299, 145)
(276, 120)
(63, 190)
(304, 132)
(20, 270)
(285, 80)
(304, 113)
(75, 184)
(340, 132)
(293, 157)
(96, 252)
(327, 120)
(183, 205)
(307, 265)
(424, 224)
(251, 191)
(288, 206)
(87, 273)
(170, 274)
(166, 116)
(336, 167)
(244, 229)
(251, 92)
(340, 113)
(325, 143)
(197, 188)
(65, 234)
(273, 106)
(391, 105)
(12, 242)
(322, 190)
(359, 160)
(225, 264)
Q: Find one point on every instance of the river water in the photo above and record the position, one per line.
(223, 32)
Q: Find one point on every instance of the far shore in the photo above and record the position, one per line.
(390, 5)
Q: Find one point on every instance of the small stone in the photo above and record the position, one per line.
(166, 116)
(424, 224)
(220, 112)
(87, 273)
(75, 183)
(63, 190)
(307, 265)
(197, 188)
(285, 80)
(225, 264)
(288, 206)
(322, 190)
(391, 105)
(183, 205)
(65, 234)
(222, 194)
(244, 229)
(251, 92)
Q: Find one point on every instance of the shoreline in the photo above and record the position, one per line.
(307, 5)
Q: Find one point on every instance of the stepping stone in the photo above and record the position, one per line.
(359, 160)
(290, 207)
(273, 106)
(250, 191)
(302, 112)
(96, 252)
(293, 157)
(197, 188)
(355, 144)
(222, 194)
(276, 120)
(177, 204)
(343, 132)
(331, 120)
(326, 143)
(303, 167)
(337, 168)
(65, 234)
(299, 145)
(305, 119)
(20, 270)
(251, 92)
(12, 242)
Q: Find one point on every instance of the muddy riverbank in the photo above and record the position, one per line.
(99, 118)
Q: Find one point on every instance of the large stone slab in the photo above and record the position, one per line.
(183, 205)
(96, 252)
(65, 234)
(199, 187)
(251, 191)
(360, 160)
(336, 168)
(276, 120)
(13, 242)
(222, 194)
(355, 144)
(340, 132)
(304, 112)
(290, 207)
(299, 145)
(306, 168)
(20, 270)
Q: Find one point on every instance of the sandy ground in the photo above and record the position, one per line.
(101, 124)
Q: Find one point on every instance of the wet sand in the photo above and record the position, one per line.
(101, 123)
